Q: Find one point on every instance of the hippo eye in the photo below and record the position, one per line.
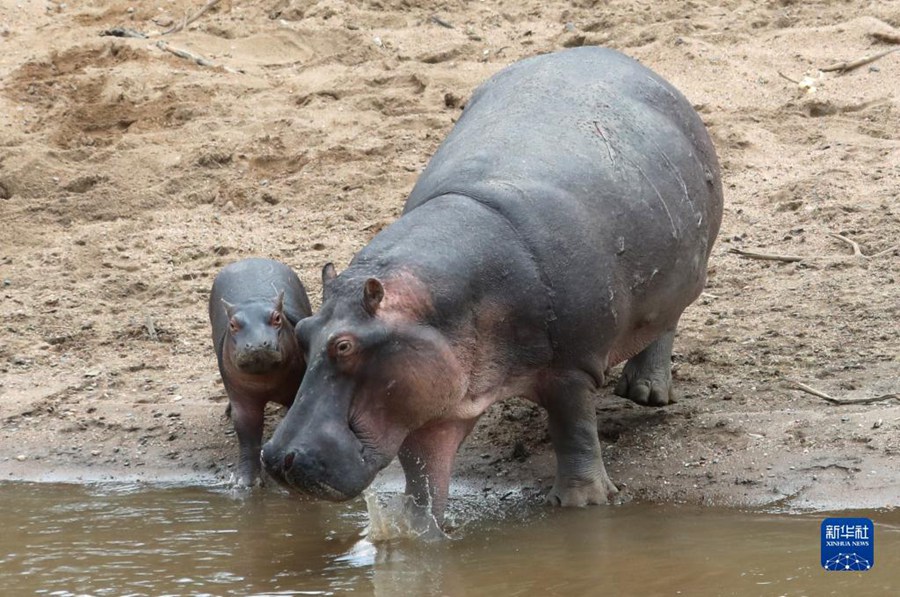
(343, 347)
(276, 319)
(233, 326)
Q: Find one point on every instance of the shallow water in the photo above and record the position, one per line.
(138, 540)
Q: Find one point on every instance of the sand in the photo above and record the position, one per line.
(130, 175)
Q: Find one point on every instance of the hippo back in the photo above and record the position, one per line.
(607, 174)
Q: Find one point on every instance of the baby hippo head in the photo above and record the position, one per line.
(254, 339)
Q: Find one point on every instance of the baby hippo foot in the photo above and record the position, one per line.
(647, 377)
(583, 492)
(248, 471)
(243, 482)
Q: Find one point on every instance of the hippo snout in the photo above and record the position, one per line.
(278, 462)
(303, 471)
(258, 358)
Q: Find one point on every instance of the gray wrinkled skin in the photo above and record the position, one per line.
(562, 227)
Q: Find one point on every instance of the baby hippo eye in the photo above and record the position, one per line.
(233, 326)
(276, 319)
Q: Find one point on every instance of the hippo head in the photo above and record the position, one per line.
(254, 338)
(376, 371)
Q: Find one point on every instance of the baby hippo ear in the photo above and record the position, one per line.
(328, 274)
(373, 292)
(229, 308)
(279, 302)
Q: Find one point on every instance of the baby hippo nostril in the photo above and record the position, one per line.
(288, 461)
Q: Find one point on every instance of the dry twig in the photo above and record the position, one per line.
(796, 385)
(843, 67)
(437, 20)
(888, 37)
(151, 328)
(188, 20)
(196, 58)
(767, 256)
(784, 76)
(885, 252)
(122, 32)
(857, 252)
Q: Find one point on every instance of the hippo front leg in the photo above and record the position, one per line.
(427, 457)
(248, 424)
(581, 478)
(647, 376)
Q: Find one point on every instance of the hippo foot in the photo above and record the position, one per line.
(583, 492)
(244, 484)
(246, 481)
(647, 377)
(646, 391)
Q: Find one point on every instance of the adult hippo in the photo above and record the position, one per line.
(561, 228)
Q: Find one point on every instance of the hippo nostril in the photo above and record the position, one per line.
(288, 461)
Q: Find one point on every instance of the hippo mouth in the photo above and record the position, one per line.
(258, 361)
(337, 473)
(323, 491)
(303, 484)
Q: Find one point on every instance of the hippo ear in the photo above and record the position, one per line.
(328, 273)
(279, 301)
(229, 308)
(373, 292)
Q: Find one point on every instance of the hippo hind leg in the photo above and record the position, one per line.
(647, 376)
(581, 478)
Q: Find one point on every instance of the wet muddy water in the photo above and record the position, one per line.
(66, 540)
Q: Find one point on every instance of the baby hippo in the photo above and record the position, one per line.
(253, 308)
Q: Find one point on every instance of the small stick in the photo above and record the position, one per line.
(809, 390)
(872, 400)
(767, 256)
(196, 58)
(885, 252)
(784, 76)
(122, 32)
(188, 20)
(151, 329)
(846, 467)
(886, 36)
(439, 21)
(856, 250)
(848, 66)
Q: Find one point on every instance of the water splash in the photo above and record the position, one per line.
(398, 517)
